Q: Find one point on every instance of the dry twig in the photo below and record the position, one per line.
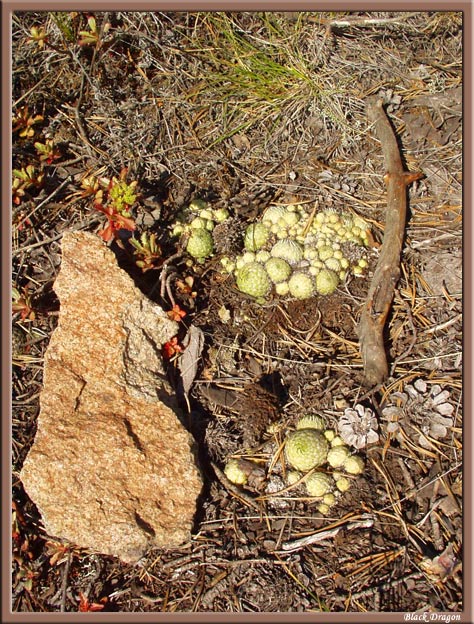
(381, 290)
(365, 521)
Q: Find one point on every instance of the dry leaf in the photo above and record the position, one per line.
(224, 314)
(193, 344)
(449, 506)
(224, 397)
(441, 566)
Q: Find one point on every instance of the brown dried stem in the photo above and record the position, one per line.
(387, 272)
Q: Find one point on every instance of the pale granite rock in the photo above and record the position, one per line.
(111, 468)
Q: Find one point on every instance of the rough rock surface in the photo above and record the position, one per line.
(112, 468)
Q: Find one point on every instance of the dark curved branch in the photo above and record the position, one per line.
(387, 272)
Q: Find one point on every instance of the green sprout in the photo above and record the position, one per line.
(122, 195)
(47, 152)
(146, 250)
(200, 245)
(38, 35)
(92, 36)
(115, 202)
(22, 303)
(64, 21)
(23, 122)
(23, 179)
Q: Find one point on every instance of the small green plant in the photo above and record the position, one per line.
(23, 179)
(29, 175)
(200, 245)
(311, 421)
(90, 187)
(147, 251)
(233, 471)
(115, 201)
(255, 237)
(306, 449)
(301, 285)
(47, 152)
(22, 304)
(18, 190)
(195, 224)
(302, 252)
(312, 446)
(38, 36)
(23, 122)
(122, 194)
(338, 455)
(354, 465)
(252, 279)
(92, 35)
(318, 484)
(64, 21)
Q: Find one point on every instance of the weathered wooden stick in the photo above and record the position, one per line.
(387, 272)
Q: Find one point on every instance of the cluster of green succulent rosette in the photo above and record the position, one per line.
(196, 223)
(291, 251)
(317, 458)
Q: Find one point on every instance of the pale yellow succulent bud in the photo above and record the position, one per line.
(311, 421)
(200, 244)
(343, 484)
(306, 449)
(234, 473)
(256, 235)
(326, 282)
(323, 509)
(329, 499)
(282, 288)
(337, 456)
(301, 285)
(253, 280)
(278, 270)
(354, 465)
(329, 434)
(318, 484)
(293, 476)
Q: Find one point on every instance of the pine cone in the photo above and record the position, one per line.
(228, 237)
(256, 408)
(251, 206)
